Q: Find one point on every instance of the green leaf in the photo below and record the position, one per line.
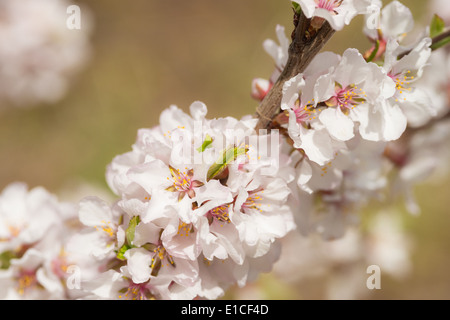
(297, 7)
(5, 259)
(374, 51)
(206, 144)
(129, 233)
(437, 26)
(121, 253)
(227, 157)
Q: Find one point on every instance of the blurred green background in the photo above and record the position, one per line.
(149, 54)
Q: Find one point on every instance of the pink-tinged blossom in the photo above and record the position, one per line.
(329, 104)
(395, 21)
(413, 101)
(435, 82)
(104, 233)
(208, 194)
(337, 12)
(354, 90)
(35, 231)
(40, 54)
(331, 195)
(279, 53)
(260, 88)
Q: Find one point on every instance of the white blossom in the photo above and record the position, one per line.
(395, 21)
(279, 53)
(422, 158)
(201, 205)
(337, 12)
(40, 55)
(414, 102)
(194, 192)
(35, 230)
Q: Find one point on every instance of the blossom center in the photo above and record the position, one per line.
(135, 291)
(184, 229)
(183, 182)
(13, 231)
(253, 200)
(347, 97)
(60, 265)
(402, 81)
(106, 228)
(329, 5)
(304, 113)
(159, 257)
(221, 213)
(26, 280)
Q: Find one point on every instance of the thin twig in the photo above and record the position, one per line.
(303, 49)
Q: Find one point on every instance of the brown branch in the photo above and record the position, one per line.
(304, 47)
(441, 36)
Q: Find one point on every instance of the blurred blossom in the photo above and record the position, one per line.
(36, 252)
(436, 81)
(77, 189)
(426, 154)
(40, 55)
(388, 246)
(441, 8)
(340, 265)
(423, 153)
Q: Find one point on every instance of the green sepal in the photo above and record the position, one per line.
(121, 253)
(374, 52)
(437, 26)
(5, 259)
(206, 143)
(129, 233)
(297, 7)
(227, 157)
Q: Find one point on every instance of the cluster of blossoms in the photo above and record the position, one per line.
(40, 55)
(35, 229)
(199, 209)
(343, 113)
(202, 204)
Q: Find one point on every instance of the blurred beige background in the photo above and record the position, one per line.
(149, 54)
